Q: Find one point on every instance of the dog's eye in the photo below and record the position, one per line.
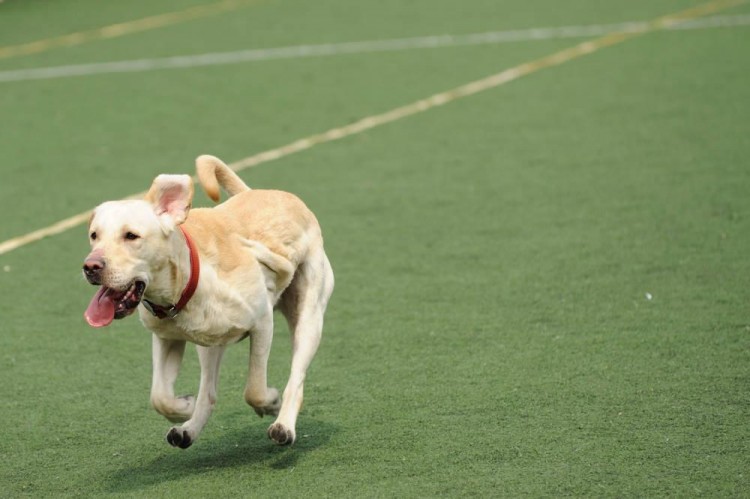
(93, 236)
(131, 236)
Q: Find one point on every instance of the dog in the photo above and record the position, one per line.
(212, 276)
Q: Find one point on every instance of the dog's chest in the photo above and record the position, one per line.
(213, 319)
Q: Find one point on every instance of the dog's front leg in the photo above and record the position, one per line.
(263, 399)
(167, 357)
(210, 359)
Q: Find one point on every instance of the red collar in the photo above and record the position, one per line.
(167, 312)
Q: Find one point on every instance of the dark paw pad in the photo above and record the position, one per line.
(280, 434)
(179, 438)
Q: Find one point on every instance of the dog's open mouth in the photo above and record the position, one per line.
(109, 304)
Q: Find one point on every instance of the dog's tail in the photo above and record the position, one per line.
(212, 172)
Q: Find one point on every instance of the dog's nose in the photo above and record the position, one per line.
(92, 269)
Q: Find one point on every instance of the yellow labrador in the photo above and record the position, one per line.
(212, 276)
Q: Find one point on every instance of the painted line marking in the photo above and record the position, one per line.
(419, 106)
(125, 28)
(349, 48)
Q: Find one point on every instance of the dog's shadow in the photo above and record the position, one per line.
(240, 448)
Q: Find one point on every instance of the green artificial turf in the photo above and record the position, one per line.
(541, 290)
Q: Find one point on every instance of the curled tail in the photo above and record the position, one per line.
(212, 172)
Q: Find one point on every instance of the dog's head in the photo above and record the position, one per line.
(132, 246)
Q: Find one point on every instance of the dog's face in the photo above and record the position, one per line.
(130, 246)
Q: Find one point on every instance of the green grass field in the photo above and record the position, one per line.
(542, 289)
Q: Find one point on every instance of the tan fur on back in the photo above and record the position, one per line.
(278, 219)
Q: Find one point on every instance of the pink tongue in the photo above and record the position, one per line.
(101, 311)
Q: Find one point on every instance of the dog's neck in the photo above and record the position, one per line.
(171, 279)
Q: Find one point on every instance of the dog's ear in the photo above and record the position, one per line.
(171, 195)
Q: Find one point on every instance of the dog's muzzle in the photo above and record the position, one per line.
(92, 269)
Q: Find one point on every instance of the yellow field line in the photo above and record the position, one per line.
(125, 28)
(419, 106)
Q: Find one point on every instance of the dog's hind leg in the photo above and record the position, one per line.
(210, 359)
(303, 304)
(167, 356)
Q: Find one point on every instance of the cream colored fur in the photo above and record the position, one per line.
(259, 250)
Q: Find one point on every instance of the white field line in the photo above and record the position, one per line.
(123, 28)
(420, 106)
(361, 47)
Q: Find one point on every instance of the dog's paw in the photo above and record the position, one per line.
(266, 407)
(281, 434)
(178, 437)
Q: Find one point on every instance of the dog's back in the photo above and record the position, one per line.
(277, 219)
